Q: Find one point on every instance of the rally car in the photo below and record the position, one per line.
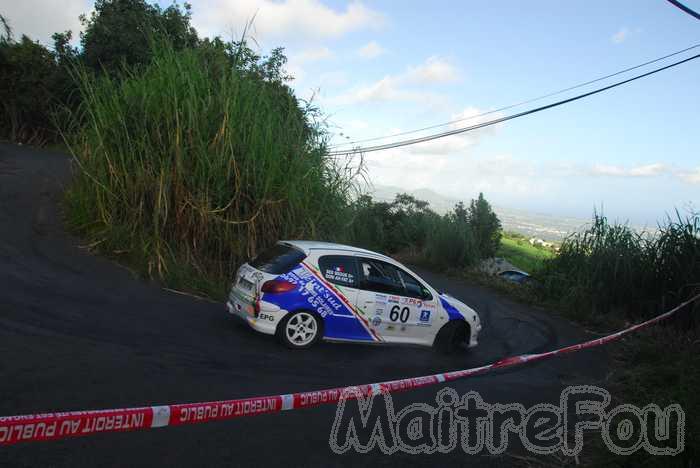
(305, 291)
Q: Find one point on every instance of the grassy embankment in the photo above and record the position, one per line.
(189, 165)
(518, 251)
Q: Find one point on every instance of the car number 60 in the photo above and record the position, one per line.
(395, 315)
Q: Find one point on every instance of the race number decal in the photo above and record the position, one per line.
(399, 314)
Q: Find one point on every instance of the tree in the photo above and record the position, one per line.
(28, 71)
(6, 34)
(485, 226)
(119, 32)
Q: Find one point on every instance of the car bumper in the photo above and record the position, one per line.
(473, 339)
(266, 321)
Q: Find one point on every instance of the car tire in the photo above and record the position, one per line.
(451, 337)
(300, 330)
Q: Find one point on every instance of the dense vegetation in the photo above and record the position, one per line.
(192, 162)
(35, 84)
(611, 268)
(408, 227)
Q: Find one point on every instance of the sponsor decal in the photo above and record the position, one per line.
(380, 298)
(327, 289)
(390, 327)
(379, 312)
(394, 299)
(425, 316)
(338, 274)
(318, 296)
(267, 317)
(411, 301)
(376, 321)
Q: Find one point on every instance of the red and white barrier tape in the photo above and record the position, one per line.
(52, 426)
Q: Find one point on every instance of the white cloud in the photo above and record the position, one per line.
(40, 19)
(288, 19)
(459, 174)
(386, 89)
(434, 70)
(450, 165)
(690, 176)
(648, 170)
(312, 55)
(382, 90)
(333, 79)
(371, 50)
(620, 36)
(295, 65)
(400, 87)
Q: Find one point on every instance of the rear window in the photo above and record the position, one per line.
(278, 259)
(339, 269)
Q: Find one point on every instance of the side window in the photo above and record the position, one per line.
(414, 288)
(339, 269)
(380, 277)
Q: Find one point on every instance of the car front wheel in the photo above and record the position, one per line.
(299, 330)
(451, 337)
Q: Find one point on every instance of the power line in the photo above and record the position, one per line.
(414, 141)
(521, 103)
(684, 8)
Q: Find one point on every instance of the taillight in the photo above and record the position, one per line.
(277, 286)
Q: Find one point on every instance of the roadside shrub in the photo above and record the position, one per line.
(451, 244)
(30, 90)
(409, 228)
(190, 165)
(612, 267)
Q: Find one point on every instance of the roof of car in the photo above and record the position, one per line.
(307, 245)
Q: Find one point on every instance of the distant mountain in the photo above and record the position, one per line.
(547, 227)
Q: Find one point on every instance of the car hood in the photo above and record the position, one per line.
(457, 309)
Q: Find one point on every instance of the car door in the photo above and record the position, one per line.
(399, 307)
(340, 274)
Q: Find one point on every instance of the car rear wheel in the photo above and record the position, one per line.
(299, 330)
(451, 337)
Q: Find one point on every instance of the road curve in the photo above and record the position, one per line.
(80, 332)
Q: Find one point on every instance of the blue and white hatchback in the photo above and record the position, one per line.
(304, 291)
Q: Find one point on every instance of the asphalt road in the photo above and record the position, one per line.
(79, 332)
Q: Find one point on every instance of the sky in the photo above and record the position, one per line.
(378, 68)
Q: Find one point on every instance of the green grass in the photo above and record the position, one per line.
(520, 253)
(613, 269)
(189, 166)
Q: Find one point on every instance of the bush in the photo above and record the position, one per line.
(31, 90)
(408, 227)
(451, 244)
(187, 164)
(611, 267)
